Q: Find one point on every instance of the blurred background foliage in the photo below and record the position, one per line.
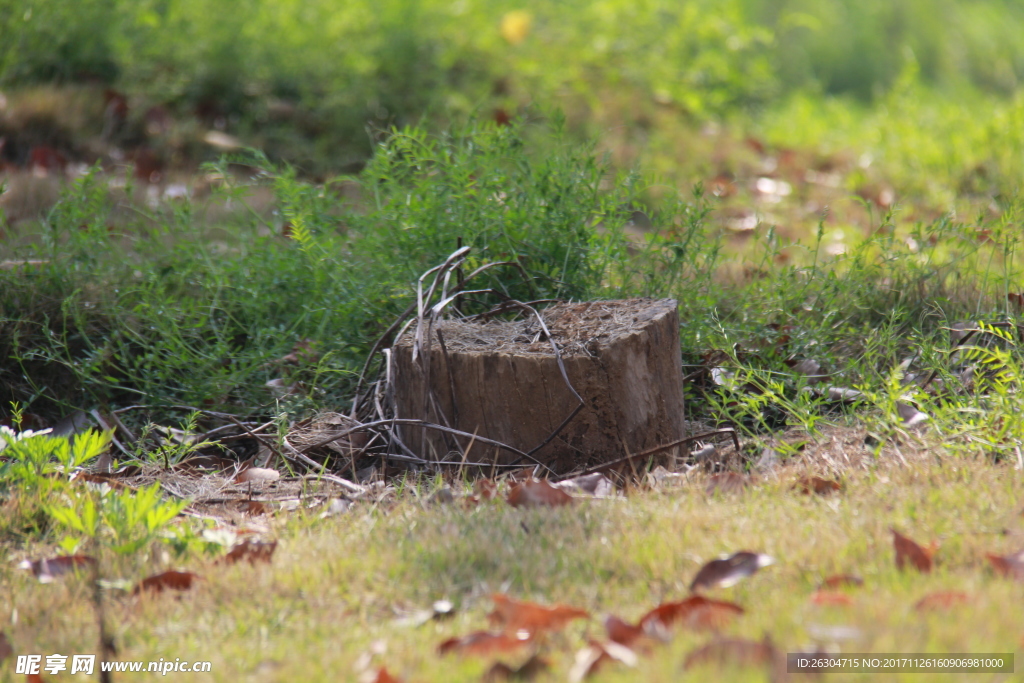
(327, 70)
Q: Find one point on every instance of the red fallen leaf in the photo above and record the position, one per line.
(251, 551)
(501, 117)
(384, 677)
(254, 508)
(531, 668)
(818, 485)
(622, 632)
(515, 616)
(727, 482)
(33, 678)
(49, 568)
(1010, 566)
(484, 643)
(486, 489)
(728, 570)
(596, 655)
(169, 580)
(696, 612)
(534, 493)
(909, 552)
(831, 598)
(942, 600)
(733, 651)
(840, 580)
(257, 474)
(45, 159)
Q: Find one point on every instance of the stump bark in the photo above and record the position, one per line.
(500, 380)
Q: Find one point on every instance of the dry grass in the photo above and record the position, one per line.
(339, 585)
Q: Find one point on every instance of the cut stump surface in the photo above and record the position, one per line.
(500, 380)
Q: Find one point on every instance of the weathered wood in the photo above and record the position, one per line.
(622, 357)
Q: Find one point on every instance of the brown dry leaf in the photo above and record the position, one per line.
(622, 632)
(696, 612)
(909, 552)
(727, 482)
(1010, 566)
(257, 474)
(515, 616)
(826, 598)
(535, 493)
(808, 485)
(942, 600)
(840, 580)
(728, 570)
(485, 643)
(384, 677)
(251, 551)
(169, 580)
(486, 489)
(530, 669)
(733, 652)
(596, 655)
(90, 478)
(34, 678)
(254, 508)
(48, 569)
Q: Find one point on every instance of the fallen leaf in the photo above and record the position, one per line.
(910, 415)
(34, 678)
(484, 643)
(727, 482)
(99, 479)
(251, 551)
(728, 570)
(942, 600)
(622, 632)
(486, 489)
(535, 493)
(827, 598)
(840, 580)
(1010, 566)
(696, 612)
(808, 485)
(253, 508)
(48, 569)
(384, 677)
(595, 484)
(530, 669)
(596, 655)
(515, 616)
(907, 551)
(257, 474)
(169, 580)
(733, 652)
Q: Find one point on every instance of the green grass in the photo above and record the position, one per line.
(337, 586)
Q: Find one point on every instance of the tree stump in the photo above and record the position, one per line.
(500, 380)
